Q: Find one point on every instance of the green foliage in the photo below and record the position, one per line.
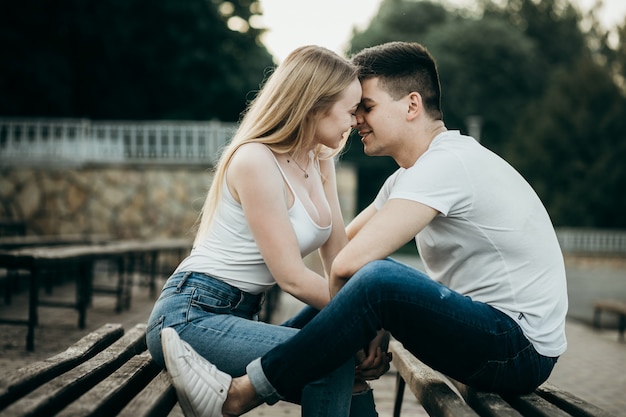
(487, 68)
(553, 25)
(570, 145)
(620, 56)
(127, 59)
(400, 20)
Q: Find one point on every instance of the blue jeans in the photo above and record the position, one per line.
(219, 322)
(469, 341)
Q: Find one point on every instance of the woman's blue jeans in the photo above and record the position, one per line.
(219, 322)
(464, 339)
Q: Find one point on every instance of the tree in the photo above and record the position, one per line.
(399, 20)
(570, 140)
(129, 59)
(570, 145)
(619, 61)
(488, 69)
(553, 25)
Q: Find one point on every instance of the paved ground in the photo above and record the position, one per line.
(593, 368)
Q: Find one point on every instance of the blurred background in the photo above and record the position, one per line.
(112, 112)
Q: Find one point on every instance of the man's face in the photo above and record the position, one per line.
(380, 120)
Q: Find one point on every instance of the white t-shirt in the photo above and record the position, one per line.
(231, 254)
(493, 239)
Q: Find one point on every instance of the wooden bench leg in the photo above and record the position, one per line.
(84, 277)
(130, 278)
(12, 278)
(596, 317)
(153, 271)
(121, 277)
(33, 301)
(397, 405)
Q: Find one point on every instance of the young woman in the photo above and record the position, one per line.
(273, 200)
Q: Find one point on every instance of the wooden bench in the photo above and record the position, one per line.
(10, 227)
(78, 261)
(106, 373)
(11, 278)
(441, 396)
(611, 306)
(29, 241)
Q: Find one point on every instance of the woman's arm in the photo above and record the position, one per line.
(256, 182)
(360, 220)
(338, 238)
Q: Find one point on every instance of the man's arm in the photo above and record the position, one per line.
(360, 220)
(385, 232)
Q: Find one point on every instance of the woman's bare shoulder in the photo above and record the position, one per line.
(252, 156)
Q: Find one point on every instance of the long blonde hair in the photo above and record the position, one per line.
(284, 113)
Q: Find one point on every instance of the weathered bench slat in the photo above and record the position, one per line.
(534, 405)
(570, 403)
(60, 391)
(486, 404)
(432, 391)
(546, 401)
(109, 396)
(26, 379)
(156, 400)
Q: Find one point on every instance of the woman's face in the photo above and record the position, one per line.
(333, 127)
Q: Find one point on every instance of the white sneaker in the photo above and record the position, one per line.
(200, 386)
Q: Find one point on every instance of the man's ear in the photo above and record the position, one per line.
(415, 105)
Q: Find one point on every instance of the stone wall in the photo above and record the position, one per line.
(118, 201)
(122, 202)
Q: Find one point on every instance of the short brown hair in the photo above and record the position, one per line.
(402, 68)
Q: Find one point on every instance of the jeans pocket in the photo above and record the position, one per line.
(210, 302)
(153, 339)
(155, 325)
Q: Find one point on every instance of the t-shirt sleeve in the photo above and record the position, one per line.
(385, 190)
(439, 180)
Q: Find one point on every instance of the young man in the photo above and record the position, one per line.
(490, 310)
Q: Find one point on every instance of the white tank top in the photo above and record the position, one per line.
(230, 252)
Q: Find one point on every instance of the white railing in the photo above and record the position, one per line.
(592, 241)
(81, 141)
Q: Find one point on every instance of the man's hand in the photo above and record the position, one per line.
(374, 362)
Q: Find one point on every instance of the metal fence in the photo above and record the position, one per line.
(592, 241)
(81, 141)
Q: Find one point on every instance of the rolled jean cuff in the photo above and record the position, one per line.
(262, 386)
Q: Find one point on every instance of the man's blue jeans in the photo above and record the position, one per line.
(466, 340)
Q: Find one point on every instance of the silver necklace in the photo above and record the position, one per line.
(306, 174)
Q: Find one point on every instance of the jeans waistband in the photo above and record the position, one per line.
(242, 301)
